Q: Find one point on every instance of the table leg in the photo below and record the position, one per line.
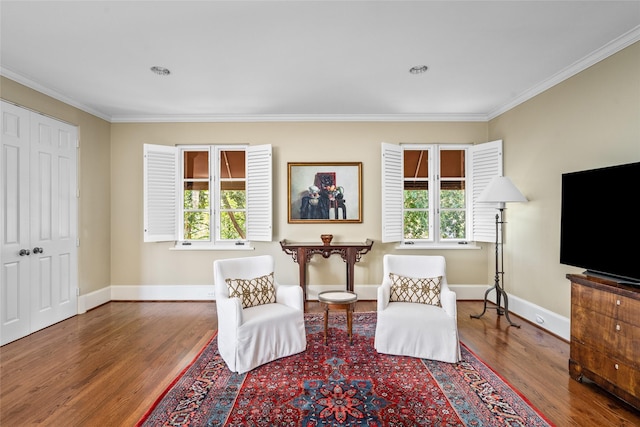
(302, 270)
(350, 260)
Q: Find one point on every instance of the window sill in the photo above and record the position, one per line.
(179, 246)
(439, 246)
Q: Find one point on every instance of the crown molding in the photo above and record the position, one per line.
(52, 93)
(604, 52)
(445, 117)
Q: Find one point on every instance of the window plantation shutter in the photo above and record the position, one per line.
(259, 193)
(392, 194)
(486, 162)
(160, 193)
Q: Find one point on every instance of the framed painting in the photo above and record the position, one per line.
(325, 192)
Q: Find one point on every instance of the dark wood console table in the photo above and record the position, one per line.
(302, 253)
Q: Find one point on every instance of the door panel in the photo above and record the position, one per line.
(11, 293)
(12, 196)
(42, 275)
(65, 205)
(66, 280)
(41, 195)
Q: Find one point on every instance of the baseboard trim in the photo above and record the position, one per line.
(163, 293)
(545, 319)
(468, 292)
(540, 316)
(94, 299)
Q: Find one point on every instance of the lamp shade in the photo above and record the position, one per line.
(501, 190)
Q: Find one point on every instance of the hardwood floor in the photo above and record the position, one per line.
(107, 367)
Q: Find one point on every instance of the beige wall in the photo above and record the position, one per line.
(94, 230)
(590, 120)
(138, 263)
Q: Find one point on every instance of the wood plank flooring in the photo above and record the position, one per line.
(107, 367)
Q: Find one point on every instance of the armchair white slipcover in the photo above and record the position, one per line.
(256, 335)
(415, 329)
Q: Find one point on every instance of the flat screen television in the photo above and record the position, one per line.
(600, 223)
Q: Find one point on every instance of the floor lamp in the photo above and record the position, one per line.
(500, 190)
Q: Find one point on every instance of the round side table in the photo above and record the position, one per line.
(338, 300)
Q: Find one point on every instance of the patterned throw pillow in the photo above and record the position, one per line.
(252, 292)
(424, 290)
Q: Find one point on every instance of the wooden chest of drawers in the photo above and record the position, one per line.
(605, 335)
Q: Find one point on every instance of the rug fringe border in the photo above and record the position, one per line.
(515, 389)
(175, 381)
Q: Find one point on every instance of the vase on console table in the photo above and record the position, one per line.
(326, 239)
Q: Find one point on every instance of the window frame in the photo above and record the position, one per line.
(431, 180)
(215, 182)
(182, 149)
(434, 179)
(169, 171)
(482, 162)
(468, 199)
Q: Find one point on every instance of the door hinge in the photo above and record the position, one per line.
(77, 243)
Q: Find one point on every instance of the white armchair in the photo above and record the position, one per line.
(417, 329)
(255, 335)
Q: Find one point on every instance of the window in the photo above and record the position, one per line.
(198, 219)
(428, 192)
(207, 195)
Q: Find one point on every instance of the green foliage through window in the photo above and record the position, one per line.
(416, 224)
(196, 222)
(452, 214)
(233, 216)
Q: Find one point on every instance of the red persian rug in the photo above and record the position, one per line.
(341, 385)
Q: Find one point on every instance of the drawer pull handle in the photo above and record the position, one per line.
(617, 327)
(616, 365)
(618, 302)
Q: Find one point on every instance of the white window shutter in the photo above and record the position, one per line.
(160, 193)
(392, 194)
(486, 162)
(259, 193)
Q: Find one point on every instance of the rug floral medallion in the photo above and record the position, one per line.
(339, 384)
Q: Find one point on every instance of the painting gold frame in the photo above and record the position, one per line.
(324, 192)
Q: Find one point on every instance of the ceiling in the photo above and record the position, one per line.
(305, 60)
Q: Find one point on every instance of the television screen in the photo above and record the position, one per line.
(600, 223)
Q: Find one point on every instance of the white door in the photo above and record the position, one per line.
(53, 212)
(15, 313)
(39, 223)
